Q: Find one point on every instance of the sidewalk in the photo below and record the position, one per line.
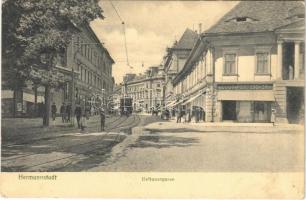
(172, 126)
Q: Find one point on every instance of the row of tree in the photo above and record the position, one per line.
(34, 33)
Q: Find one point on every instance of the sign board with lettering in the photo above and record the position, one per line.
(245, 86)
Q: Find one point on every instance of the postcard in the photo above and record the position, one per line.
(153, 99)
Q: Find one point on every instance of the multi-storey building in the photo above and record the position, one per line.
(93, 63)
(92, 66)
(174, 61)
(146, 89)
(116, 96)
(249, 65)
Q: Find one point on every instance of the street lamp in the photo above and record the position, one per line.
(103, 97)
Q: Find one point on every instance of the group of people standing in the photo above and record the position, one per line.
(82, 115)
(196, 113)
(65, 111)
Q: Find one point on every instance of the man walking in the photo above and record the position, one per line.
(63, 112)
(179, 116)
(102, 118)
(53, 111)
(68, 110)
(78, 114)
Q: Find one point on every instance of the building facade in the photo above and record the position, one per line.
(249, 66)
(91, 64)
(174, 61)
(146, 89)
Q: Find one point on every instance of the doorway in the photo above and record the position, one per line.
(288, 61)
(229, 110)
(295, 105)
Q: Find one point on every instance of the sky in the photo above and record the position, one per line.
(151, 27)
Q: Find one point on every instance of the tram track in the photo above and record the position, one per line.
(61, 148)
(35, 139)
(136, 120)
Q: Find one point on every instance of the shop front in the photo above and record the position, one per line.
(246, 104)
(247, 111)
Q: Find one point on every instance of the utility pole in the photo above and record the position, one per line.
(72, 83)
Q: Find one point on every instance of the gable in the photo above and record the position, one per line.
(296, 27)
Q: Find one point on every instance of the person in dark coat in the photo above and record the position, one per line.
(179, 116)
(53, 111)
(68, 110)
(63, 112)
(78, 114)
(102, 118)
(87, 112)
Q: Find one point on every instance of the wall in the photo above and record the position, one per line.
(246, 64)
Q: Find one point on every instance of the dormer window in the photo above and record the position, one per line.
(241, 19)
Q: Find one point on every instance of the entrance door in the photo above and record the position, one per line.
(288, 63)
(295, 104)
(229, 110)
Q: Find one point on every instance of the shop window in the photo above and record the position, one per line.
(229, 110)
(262, 63)
(262, 111)
(229, 64)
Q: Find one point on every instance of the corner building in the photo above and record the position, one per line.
(250, 63)
(146, 89)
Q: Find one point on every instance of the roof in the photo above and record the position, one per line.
(262, 16)
(94, 36)
(187, 40)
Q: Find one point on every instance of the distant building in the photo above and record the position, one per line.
(116, 96)
(146, 90)
(93, 78)
(174, 61)
(248, 65)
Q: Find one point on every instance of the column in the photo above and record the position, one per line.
(279, 60)
(296, 59)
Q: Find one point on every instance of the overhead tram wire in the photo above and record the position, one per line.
(124, 33)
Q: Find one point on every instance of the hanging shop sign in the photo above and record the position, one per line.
(245, 86)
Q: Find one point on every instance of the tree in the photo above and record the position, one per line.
(35, 32)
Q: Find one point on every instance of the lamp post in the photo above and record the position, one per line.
(103, 97)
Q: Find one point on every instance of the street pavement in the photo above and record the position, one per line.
(171, 147)
(147, 143)
(27, 146)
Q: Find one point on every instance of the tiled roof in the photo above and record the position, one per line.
(261, 16)
(187, 40)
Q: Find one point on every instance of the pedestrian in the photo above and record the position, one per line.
(68, 110)
(102, 118)
(63, 112)
(53, 111)
(78, 114)
(197, 114)
(167, 114)
(87, 112)
(273, 112)
(83, 121)
(179, 116)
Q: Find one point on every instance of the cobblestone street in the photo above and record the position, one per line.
(161, 147)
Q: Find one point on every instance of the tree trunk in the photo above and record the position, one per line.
(46, 119)
(35, 101)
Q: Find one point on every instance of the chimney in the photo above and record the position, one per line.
(200, 28)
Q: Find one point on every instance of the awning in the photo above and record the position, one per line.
(31, 98)
(179, 102)
(253, 95)
(192, 98)
(171, 104)
(7, 94)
